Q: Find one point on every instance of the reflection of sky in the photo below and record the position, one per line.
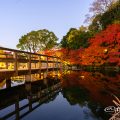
(7, 110)
(60, 109)
(13, 83)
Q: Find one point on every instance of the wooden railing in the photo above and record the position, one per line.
(16, 60)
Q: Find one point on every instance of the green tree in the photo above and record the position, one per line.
(76, 38)
(37, 40)
(65, 43)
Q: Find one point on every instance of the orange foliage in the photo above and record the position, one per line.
(104, 48)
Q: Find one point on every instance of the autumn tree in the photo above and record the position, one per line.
(104, 47)
(37, 40)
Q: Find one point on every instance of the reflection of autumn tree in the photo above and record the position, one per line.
(96, 83)
(76, 95)
(80, 96)
(93, 88)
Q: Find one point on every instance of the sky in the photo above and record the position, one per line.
(18, 17)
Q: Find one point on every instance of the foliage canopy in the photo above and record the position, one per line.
(37, 40)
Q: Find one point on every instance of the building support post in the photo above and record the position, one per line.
(8, 83)
(28, 76)
(17, 107)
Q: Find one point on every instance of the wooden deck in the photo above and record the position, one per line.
(16, 63)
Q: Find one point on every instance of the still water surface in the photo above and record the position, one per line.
(74, 95)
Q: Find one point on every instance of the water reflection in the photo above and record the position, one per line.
(72, 95)
(27, 97)
(18, 80)
(92, 89)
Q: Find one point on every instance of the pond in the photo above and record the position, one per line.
(70, 95)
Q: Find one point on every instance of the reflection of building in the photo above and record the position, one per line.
(35, 93)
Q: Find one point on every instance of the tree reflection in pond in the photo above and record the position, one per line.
(92, 89)
(72, 95)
